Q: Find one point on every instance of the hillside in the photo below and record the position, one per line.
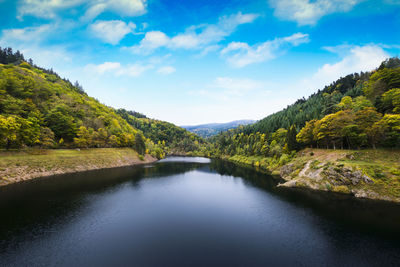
(210, 129)
(324, 101)
(39, 109)
(358, 116)
(174, 138)
(358, 111)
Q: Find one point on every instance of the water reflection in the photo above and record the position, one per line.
(369, 216)
(189, 212)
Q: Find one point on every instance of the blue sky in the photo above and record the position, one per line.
(191, 62)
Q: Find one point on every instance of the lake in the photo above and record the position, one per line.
(190, 212)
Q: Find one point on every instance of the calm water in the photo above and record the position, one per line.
(190, 212)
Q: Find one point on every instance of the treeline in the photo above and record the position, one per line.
(367, 121)
(38, 108)
(233, 143)
(320, 103)
(357, 111)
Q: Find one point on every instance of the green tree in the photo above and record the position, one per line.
(140, 145)
(391, 101)
(306, 136)
(291, 141)
(9, 128)
(84, 138)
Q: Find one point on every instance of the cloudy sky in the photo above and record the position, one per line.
(199, 61)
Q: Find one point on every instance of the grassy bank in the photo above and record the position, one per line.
(371, 174)
(16, 166)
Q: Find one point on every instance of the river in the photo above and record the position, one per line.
(190, 212)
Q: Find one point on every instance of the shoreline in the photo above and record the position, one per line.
(19, 166)
(343, 172)
(301, 172)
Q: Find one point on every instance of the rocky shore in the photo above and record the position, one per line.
(343, 173)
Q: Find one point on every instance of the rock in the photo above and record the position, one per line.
(346, 176)
(335, 177)
(291, 183)
(286, 170)
(367, 179)
(361, 193)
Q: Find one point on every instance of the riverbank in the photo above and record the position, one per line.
(373, 174)
(17, 166)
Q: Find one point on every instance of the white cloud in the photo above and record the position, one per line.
(28, 34)
(208, 49)
(122, 7)
(236, 86)
(166, 70)
(357, 58)
(134, 70)
(240, 54)
(117, 69)
(195, 37)
(44, 8)
(105, 67)
(228, 88)
(307, 12)
(49, 8)
(152, 40)
(111, 31)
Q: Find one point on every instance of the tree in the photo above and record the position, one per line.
(84, 138)
(345, 103)
(46, 137)
(113, 141)
(391, 100)
(61, 124)
(291, 141)
(9, 128)
(306, 136)
(140, 145)
(388, 130)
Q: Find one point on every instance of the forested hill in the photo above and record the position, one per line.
(38, 108)
(210, 129)
(357, 111)
(323, 102)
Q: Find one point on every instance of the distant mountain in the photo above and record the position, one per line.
(210, 129)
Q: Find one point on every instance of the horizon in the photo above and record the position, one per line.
(197, 63)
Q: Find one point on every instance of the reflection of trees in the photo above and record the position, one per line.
(250, 175)
(359, 214)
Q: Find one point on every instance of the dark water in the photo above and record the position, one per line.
(190, 212)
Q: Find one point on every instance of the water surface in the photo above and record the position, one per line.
(190, 212)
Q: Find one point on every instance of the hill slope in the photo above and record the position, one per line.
(38, 108)
(360, 111)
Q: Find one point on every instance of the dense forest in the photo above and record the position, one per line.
(40, 109)
(354, 112)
